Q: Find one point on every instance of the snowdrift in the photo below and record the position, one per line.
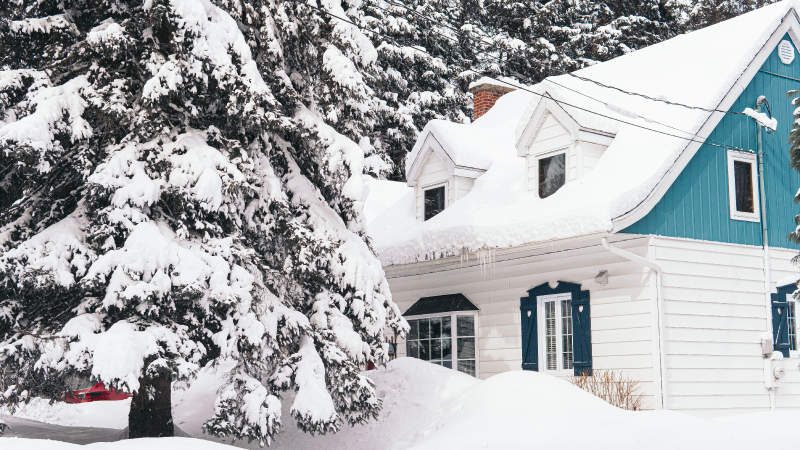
(427, 407)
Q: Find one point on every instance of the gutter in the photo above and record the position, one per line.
(655, 267)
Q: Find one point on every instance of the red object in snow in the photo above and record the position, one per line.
(96, 393)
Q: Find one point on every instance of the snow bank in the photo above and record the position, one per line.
(429, 407)
(176, 443)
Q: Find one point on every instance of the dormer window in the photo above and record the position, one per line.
(434, 201)
(552, 174)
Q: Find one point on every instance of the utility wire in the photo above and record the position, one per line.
(647, 119)
(517, 86)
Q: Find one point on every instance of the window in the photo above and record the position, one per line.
(743, 186)
(555, 328)
(556, 332)
(435, 339)
(552, 174)
(434, 201)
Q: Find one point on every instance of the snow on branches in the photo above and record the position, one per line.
(181, 188)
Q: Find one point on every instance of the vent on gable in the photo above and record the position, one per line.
(786, 52)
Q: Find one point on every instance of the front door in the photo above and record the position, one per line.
(555, 333)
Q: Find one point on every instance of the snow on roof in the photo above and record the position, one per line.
(501, 82)
(475, 145)
(698, 69)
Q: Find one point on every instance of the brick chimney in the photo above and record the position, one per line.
(485, 93)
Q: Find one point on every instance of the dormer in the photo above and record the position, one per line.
(557, 149)
(443, 167)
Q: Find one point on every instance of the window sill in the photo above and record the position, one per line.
(746, 217)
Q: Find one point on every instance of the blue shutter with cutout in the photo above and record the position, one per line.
(530, 334)
(581, 333)
(780, 319)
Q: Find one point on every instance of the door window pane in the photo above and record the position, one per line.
(566, 334)
(551, 355)
(552, 174)
(743, 176)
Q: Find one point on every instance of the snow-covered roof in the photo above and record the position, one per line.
(708, 68)
(470, 146)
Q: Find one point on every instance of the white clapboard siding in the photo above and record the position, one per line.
(462, 186)
(622, 337)
(552, 136)
(788, 393)
(715, 313)
(590, 153)
(434, 173)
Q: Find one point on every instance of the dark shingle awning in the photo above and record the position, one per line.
(440, 304)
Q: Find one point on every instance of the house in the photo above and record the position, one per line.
(617, 220)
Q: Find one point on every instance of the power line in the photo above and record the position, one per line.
(646, 119)
(515, 86)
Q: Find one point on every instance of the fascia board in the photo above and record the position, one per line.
(468, 172)
(595, 137)
(789, 24)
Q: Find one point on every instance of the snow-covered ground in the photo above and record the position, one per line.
(430, 407)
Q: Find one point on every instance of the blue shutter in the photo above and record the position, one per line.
(780, 319)
(530, 334)
(581, 333)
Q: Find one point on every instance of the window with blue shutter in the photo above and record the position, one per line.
(556, 329)
(780, 319)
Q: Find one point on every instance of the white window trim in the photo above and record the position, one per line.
(427, 187)
(536, 158)
(453, 334)
(752, 159)
(541, 330)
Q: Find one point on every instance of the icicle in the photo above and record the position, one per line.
(486, 259)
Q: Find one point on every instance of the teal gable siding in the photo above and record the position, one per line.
(696, 205)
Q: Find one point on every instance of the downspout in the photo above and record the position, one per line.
(764, 241)
(655, 267)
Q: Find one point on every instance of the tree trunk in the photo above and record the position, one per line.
(152, 417)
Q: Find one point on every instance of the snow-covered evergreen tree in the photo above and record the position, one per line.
(181, 184)
(703, 13)
(420, 70)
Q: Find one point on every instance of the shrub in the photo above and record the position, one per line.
(613, 387)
